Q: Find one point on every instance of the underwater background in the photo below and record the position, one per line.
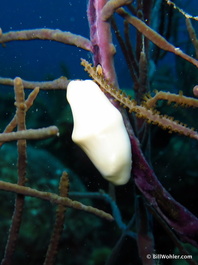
(87, 239)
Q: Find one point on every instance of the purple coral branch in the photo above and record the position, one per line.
(100, 36)
(184, 223)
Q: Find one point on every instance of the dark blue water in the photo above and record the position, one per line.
(36, 60)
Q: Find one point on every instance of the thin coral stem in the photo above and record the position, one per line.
(65, 37)
(22, 161)
(60, 83)
(181, 10)
(192, 35)
(143, 76)
(129, 47)
(30, 134)
(20, 103)
(13, 123)
(184, 101)
(59, 222)
(128, 54)
(153, 36)
(53, 198)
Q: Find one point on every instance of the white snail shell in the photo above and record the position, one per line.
(99, 130)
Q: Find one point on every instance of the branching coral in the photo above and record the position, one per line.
(147, 111)
(150, 197)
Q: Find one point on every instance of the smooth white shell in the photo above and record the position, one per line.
(99, 130)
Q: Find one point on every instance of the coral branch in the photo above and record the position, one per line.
(13, 123)
(30, 134)
(59, 222)
(65, 37)
(107, 198)
(184, 223)
(22, 161)
(20, 103)
(175, 214)
(180, 224)
(165, 122)
(60, 83)
(154, 36)
(111, 6)
(100, 35)
(127, 52)
(53, 198)
(181, 10)
(150, 102)
(192, 35)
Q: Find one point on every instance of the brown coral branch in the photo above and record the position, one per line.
(60, 83)
(184, 101)
(153, 36)
(59, 222)
(65, 37)
(20, 103)
(165, 122)
(13, 123)
(143, 76)
(30, 134)
(54, 198)
(181, 10)
(22, 161)
(111, 6)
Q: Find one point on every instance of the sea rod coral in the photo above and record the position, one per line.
(143, 44)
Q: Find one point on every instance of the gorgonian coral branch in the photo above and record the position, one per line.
(101, 39)
(59, 83)
(59, 222)
(111, 7)
(30, 134)
(151, 116)
(13, 123)
(22, 162)
(182, 221)
(155, 37)
(181, 10)
(192, 35)
(65, 37)
(180, 99)
(53, 198)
